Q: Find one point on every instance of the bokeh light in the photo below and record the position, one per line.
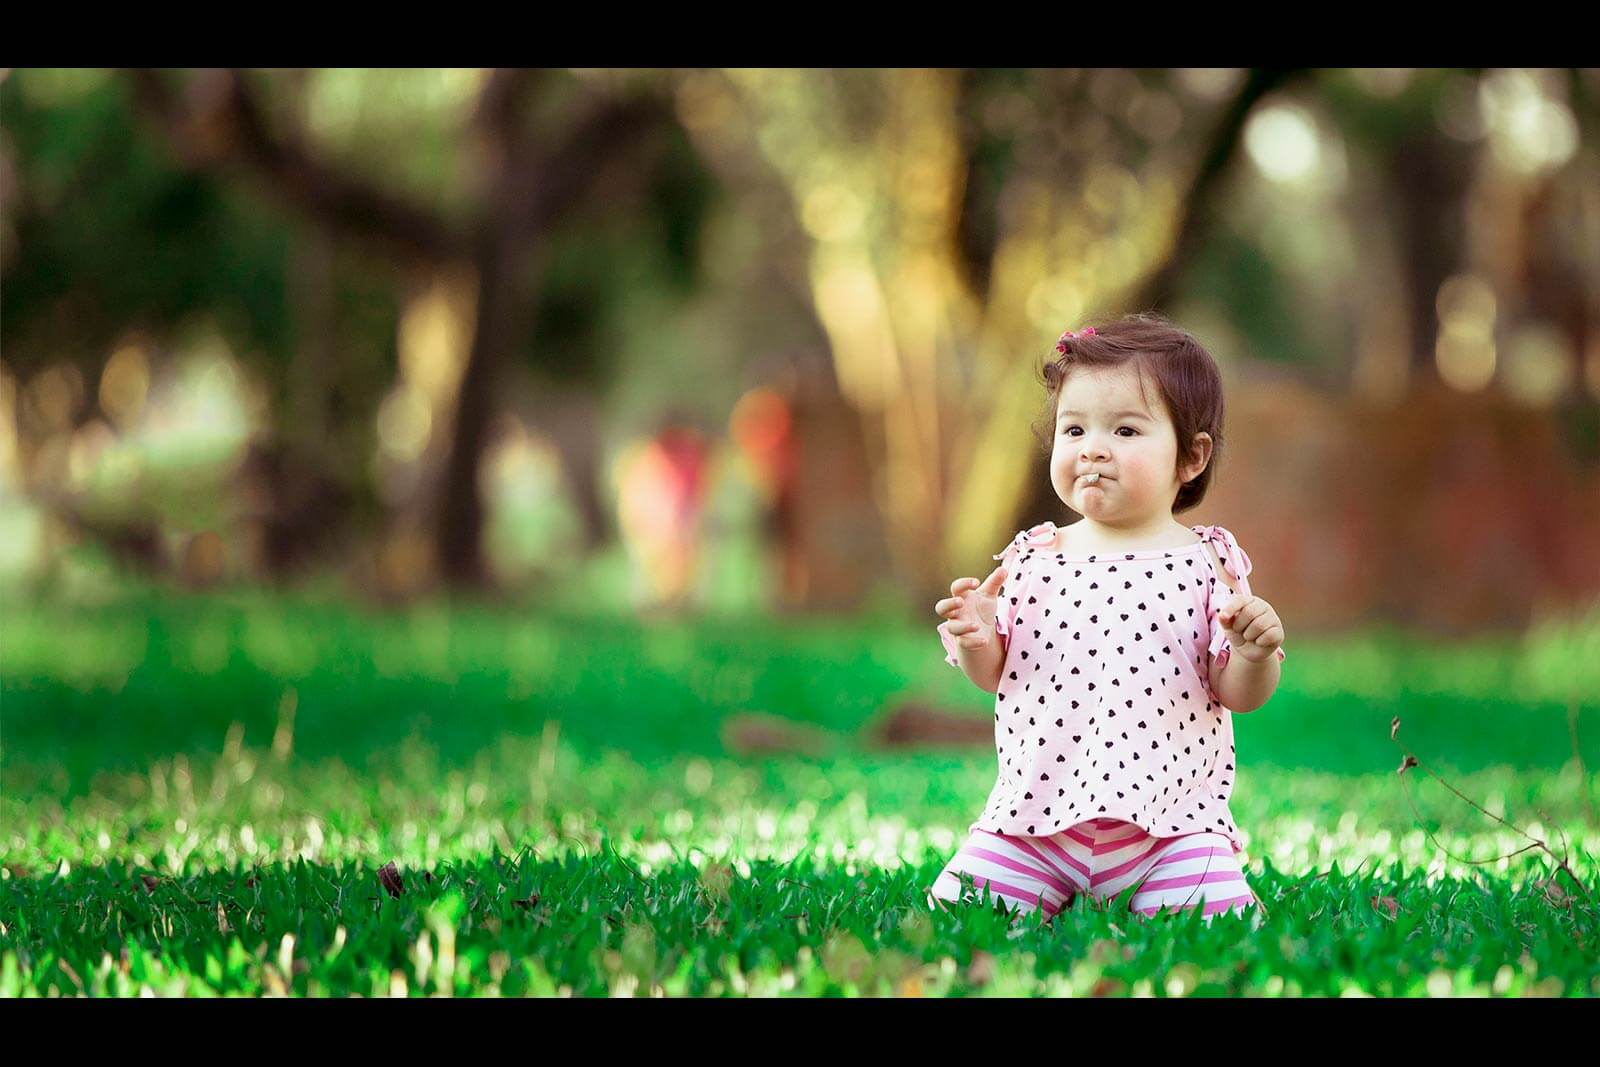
(1529, 131)
(124, 384)
(1465, 351)
(1282, 140)
(1538, 364)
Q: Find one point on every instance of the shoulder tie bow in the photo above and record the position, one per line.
(1041, 536)
(1234, 560)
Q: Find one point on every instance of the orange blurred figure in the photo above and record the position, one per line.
(762, 425)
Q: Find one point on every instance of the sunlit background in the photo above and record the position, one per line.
(743, 341)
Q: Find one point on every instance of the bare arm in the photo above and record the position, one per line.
(983, 665)
(1243, 686)
(972, 614)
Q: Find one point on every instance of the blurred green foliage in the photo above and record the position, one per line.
(117, 236)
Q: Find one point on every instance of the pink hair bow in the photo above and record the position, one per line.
(1061, 342)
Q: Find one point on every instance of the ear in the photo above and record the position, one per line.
(1200, 455)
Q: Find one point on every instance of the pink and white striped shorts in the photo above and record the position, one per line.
(1102, 858)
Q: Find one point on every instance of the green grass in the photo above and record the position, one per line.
(555, 797)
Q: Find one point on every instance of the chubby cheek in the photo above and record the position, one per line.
(1138, 472)
(1061, 476)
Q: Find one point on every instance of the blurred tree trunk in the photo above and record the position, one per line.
(932, 322)
(571, 421)
(1425, 178)
(1429, 174)
(314, 292)
(302, 497)
(1200, 201)
(1579, 306)
(1556, 282)
(1196, 218)
(501, 309)
(529, 184)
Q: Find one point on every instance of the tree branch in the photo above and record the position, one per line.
(218, 121)
(1162, 285)
(498, 120)
(555, 181)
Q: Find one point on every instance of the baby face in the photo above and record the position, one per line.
(1106, 425)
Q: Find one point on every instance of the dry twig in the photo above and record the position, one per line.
(1411, 761)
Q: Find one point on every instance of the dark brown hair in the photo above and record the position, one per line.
(1185, 375)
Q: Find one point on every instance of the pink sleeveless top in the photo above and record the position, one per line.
(1105, 709)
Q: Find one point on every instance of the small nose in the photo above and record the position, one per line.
(1092, 453)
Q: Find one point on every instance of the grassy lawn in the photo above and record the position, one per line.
(197, 796)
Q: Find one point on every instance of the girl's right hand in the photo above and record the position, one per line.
(971, 609)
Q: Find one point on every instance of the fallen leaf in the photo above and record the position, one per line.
(389, 876)
(533, 898)
(1389, 904)
(1394, 727)
(150, 882)
(1555, 894)
(913, 725)
(754, 733)
(716, 878)
(1102, 952)
(1407, 763)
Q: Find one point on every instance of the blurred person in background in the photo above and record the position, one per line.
(661, 485)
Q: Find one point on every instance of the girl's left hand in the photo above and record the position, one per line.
(1252, 626)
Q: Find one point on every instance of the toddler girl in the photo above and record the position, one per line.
(1114, 656)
